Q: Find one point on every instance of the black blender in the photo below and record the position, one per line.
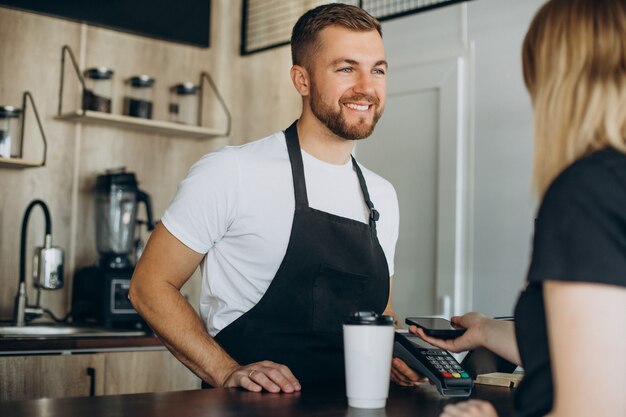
(100, 292)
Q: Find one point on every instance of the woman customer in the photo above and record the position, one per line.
(570, 320)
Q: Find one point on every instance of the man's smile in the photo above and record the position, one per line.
(358, 107)
(360, 104)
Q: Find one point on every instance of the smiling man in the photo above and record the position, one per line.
(291, 234)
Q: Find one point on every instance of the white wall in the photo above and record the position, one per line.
(503, 202)
(489, 33)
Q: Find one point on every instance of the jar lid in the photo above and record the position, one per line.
(141, 81)
(99, 73)
(185, 88)
(7, 112)
(370, 318)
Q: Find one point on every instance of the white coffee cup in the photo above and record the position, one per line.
(368, 348)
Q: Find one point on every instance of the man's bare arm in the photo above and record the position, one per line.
(165, 266)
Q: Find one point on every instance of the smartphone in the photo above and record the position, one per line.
(437, 327)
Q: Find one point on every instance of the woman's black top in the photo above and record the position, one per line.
(580, 236)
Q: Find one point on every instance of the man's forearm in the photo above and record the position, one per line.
(182, 331)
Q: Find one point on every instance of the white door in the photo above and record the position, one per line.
(419, 145)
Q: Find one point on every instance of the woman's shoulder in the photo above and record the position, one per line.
(580, 230)
(596, 178)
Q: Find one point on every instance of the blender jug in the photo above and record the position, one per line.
(117, 201)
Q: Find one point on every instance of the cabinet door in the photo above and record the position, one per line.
(152, 371)
(51, 376)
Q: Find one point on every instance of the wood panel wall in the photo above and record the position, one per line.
(257, 89)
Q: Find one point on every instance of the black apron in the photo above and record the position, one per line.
(333, 266)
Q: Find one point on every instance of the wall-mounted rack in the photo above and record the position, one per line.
(19, 163)
(83, 115)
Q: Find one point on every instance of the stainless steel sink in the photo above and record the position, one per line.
(38, 331)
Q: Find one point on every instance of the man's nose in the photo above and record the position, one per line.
(365, 85)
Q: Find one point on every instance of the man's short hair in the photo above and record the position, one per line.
(304, 37)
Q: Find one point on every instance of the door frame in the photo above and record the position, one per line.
(450, 76)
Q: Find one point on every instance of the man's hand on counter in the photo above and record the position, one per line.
(267, 375)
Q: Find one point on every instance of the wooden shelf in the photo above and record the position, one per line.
(18, 163)
(136, 123)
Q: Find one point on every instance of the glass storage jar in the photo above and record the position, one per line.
(138, 96)
(10, 132)
(98, 89)
(184, 102)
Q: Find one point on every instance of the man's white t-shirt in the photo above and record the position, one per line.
(236, 206)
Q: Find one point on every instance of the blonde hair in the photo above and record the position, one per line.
(574, 58)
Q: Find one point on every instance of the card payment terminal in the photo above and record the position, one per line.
(436, 364)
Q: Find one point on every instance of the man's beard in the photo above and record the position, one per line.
(335, 121)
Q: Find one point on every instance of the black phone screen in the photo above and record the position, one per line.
(437, 327)
(434, 323)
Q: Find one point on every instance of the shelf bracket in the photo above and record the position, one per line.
(26, 97)
(206, 76)
(66, 49)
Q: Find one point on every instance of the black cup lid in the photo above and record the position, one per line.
(99, 73)
(141, 81)
(185, 88)
(118, 178)
(370, 318)
(9, 112)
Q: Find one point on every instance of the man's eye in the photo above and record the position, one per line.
(347, 69)
(379, 71)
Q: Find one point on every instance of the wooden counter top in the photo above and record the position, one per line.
(423, 401)
(53, 345)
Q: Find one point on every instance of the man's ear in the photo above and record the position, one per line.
(301, 80)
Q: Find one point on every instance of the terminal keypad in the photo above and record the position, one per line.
(445, 364)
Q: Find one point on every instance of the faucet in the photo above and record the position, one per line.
(47, 269)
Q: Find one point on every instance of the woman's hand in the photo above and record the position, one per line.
(471, 339)
(471, 408)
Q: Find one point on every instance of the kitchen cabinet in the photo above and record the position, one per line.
(104, 373)
(154, 371)
(51, 376)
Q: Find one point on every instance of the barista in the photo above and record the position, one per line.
(285, 229)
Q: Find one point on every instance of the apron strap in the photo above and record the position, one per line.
(297, 166)
(374, 214)
(299, 183)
